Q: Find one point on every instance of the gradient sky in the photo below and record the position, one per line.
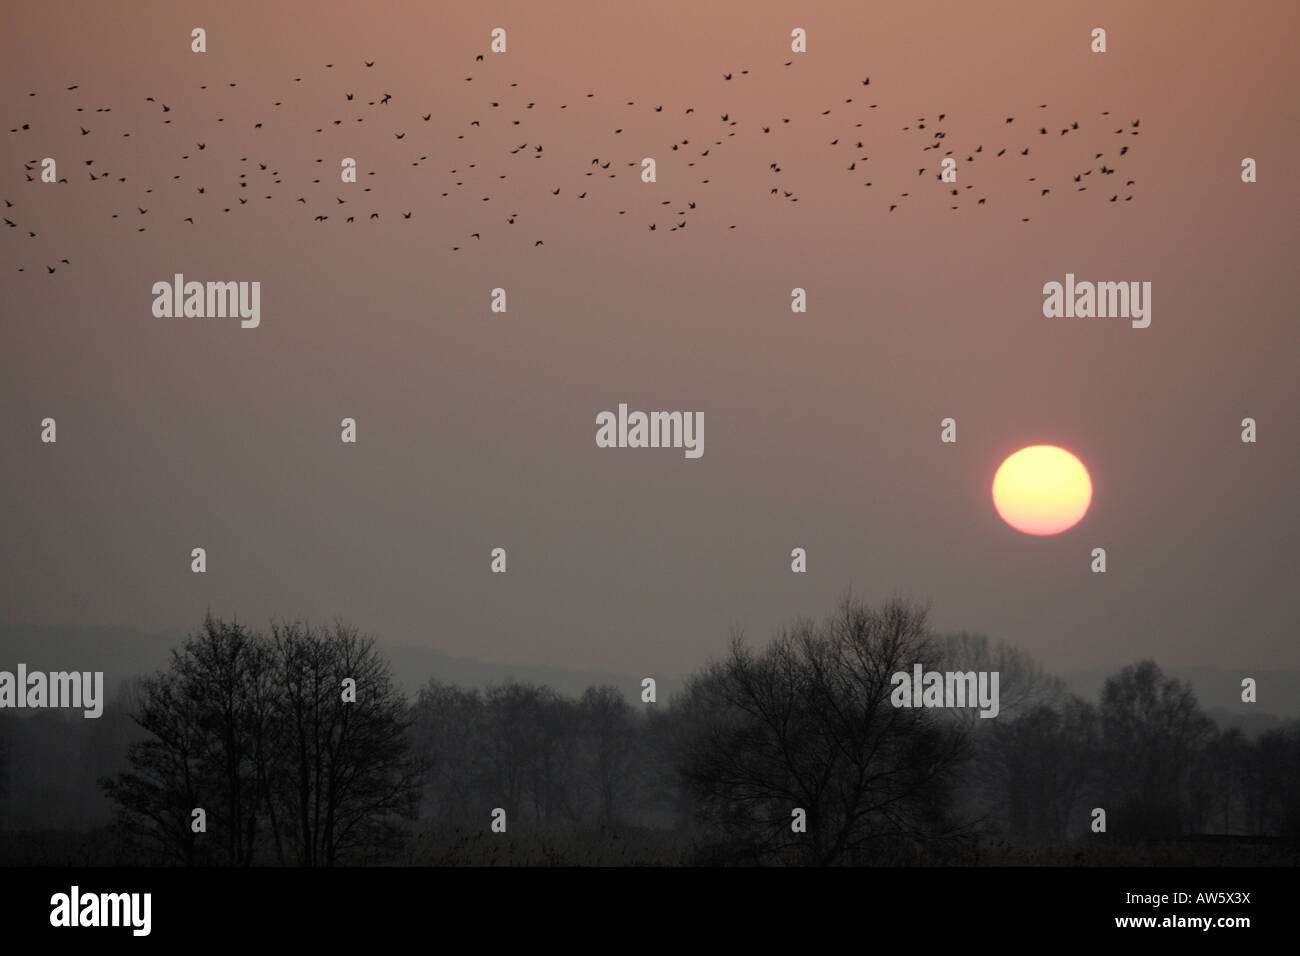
(822, 429)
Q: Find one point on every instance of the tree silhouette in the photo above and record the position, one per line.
(1039, 766)
(200, 753)
(612, 755)
(808, 724)
(346, 776)
(531, 750)
(1154, 733)
(447, 734)
(255, 732)
(1277, 776)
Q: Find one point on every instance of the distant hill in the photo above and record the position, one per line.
(121, 653)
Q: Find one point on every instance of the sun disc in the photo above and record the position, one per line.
(1042, 490)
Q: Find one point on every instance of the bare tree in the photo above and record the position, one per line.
(1032, 710)
(1038, 767)
(1277, 781)
(1023, 684)
(807, 724)
(531, 750)
(1154, 732)
(200, 718)
(447, 731)
(1220, 785)
(256, 733)
(349, 778)
(610, 735)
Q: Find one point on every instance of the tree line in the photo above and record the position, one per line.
(791, 752)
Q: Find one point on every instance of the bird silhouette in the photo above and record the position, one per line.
(468, 175)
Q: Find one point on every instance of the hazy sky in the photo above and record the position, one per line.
(477, 430)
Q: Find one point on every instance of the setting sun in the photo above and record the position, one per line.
(1042, 490)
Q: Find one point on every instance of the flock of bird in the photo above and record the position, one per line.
(840, 129)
